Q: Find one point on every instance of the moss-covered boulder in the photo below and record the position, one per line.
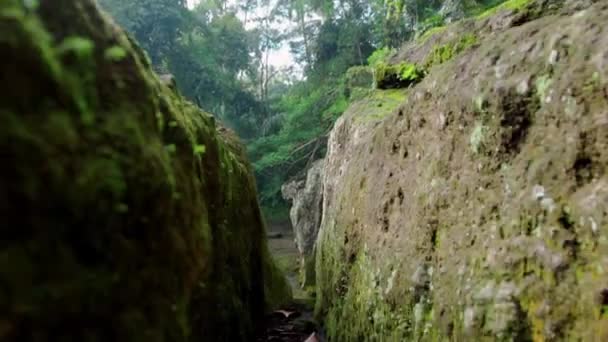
(477, 209)
(126, 215)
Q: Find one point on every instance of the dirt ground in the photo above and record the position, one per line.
(285, 254)
(292, 322)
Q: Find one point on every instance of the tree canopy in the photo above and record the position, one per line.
(219, 53)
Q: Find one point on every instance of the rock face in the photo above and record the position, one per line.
(126, 215)
(306, 197)
(477, 209)
(452, 10)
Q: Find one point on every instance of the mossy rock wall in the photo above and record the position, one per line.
(476, 210)
(126, 215)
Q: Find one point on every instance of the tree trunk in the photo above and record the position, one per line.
(304, 36)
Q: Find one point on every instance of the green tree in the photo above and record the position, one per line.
(225, 68)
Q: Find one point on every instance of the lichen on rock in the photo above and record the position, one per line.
(475, 210)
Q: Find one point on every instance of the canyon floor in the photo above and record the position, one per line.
(293, 322)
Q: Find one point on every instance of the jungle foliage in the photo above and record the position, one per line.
(218, 52)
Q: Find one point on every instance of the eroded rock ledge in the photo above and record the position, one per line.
(126, 215)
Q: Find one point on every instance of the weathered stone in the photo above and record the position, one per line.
(306, 201)
(506, 198)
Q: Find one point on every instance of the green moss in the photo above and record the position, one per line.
(380, 56)
(362, 313)
(115, 53)
(512, 5)
(477, 137)
(199, 149)
(307, 272)
(377, 104)
(410, 73)
(133, 228)
(429, 33)
(543, 84)
(287, 263)
(481, 104)
(80, 46)
(276, 289)
(402, 75)
(430, 22)
(443, 53)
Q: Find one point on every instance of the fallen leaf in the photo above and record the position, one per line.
(312, 338)
(285, 313)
